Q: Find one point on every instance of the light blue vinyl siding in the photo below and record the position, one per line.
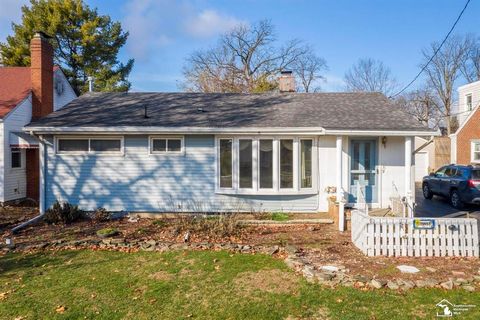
(140, 182)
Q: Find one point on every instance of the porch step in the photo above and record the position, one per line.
(286, 222)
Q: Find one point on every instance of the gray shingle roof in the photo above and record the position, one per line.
(346, 111)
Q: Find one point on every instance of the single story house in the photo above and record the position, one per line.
(465, 142)
(26, 94)
(216, 152)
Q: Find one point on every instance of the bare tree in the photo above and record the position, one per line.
(309, 68)
(243, 58)
(370, 75)
(423, 105)
(471, 67)
(443, 71)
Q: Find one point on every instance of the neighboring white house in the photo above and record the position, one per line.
(16, 89)
(465, 140)
(468, 99)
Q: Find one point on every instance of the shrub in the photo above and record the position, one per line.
(107, 232)
(101, 215)
(279, 216)
(221, 225)
(62, 213)
(159, 223)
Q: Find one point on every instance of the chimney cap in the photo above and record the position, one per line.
(286, 72)
(42, 35)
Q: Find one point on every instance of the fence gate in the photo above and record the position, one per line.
(418, 237)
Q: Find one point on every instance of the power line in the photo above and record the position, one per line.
(434, 54)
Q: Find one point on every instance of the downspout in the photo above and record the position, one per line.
(42, 154)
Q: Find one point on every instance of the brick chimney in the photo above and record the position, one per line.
(41, 55)
(286, 82)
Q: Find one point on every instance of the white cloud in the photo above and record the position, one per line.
(156, 23)
(210, 23)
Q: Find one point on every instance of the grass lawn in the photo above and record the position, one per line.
(199, 285)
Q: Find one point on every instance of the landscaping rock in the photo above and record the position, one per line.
(469, 288)
(329, 268)
(430, 269)
(431, 282)
(361, 278)
(476, 278)
(291, 250)
(392, 285)
(408, 284)
(323, 276)
(421, 283)
(294, 263)
(407, 269)
(308, 272)
(273, 250)
(377, 283)
(460, 281)
(448, 285)
(458, 273)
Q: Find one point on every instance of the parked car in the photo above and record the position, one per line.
(459, 183)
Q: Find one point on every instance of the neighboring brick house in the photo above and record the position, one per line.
(26, 94)
(466, 141)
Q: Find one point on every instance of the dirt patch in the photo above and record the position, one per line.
(161, 276)
(272, 281)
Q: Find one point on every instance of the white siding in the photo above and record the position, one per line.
(15, 181)
(2, 163)
(392, 169)
(59, 101)
(138, 181)
(473, 89)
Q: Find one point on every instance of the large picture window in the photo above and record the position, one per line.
(265, 165)
(245, 163)
(226, 177)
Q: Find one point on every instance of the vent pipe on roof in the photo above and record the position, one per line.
(90, 84)
(145, 112)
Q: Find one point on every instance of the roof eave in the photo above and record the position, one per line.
(213, 130)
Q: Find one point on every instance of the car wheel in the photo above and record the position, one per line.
(455, 200)
(427, 194)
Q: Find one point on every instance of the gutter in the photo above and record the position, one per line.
(42, 155)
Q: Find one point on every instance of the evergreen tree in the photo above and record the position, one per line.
(85, 43)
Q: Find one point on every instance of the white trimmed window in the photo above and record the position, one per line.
(265, 165)
(79, 145)
(475, 151)
(170, 145)
(468, 101)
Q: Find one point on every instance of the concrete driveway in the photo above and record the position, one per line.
(440, 207)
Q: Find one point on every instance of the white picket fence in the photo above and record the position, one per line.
(379, 236)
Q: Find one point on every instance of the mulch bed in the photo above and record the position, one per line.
(321, 244)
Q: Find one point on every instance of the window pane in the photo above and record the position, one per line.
(245, 158)
(286, 163)
(266, 163)
(105, 145)
(159, 145)
(306, 163)
(174, 145)
(16, 159)
(225, 163)
(476, 155)
(71, 145)
(477, 146)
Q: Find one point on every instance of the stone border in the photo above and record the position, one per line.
(334, 276)
(121, 244)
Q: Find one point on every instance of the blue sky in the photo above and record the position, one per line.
(163, 33)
